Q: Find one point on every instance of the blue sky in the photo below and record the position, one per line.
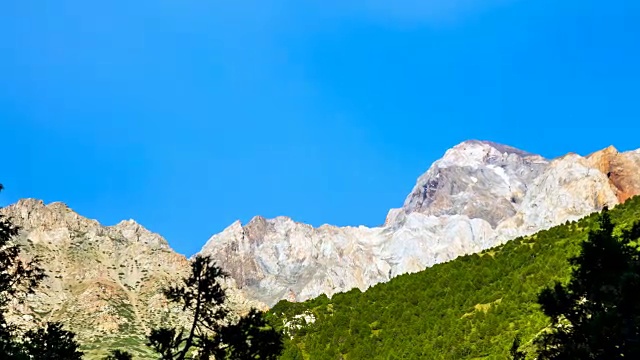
(189, 114)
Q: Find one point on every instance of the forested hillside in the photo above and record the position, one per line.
(468, 308)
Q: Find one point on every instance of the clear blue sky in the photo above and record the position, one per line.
(189, 114)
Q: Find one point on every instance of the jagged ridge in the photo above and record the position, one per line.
(478, 195)
(104, 282)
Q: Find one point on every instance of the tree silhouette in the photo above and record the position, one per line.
(119, 355)
(251, 338)
(51, 343)
(597, 314)
(209, 333)
(17, 279)
(515, 352)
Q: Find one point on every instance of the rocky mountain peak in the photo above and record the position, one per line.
(257, 218)
(33, 212)
(480, 179)
(619, 168)
(104, 282)
(477, 195)
(135, 232)
(475, 153)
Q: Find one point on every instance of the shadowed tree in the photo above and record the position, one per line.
(597, 314)
(51, 343)
(17, 279)
(251, 338)
(119, 355)
(515, 352)
(202, 296)
(168, 343)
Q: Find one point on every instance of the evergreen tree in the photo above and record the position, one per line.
(597, 314)
(51, 343)
(119, 355)
(251, 338)
(515, 352)
(202, 296)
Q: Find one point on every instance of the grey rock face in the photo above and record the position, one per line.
(477, 179)
(279, 258)
(103, 282)
(480, 194)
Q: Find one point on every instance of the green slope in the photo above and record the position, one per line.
(468, 308)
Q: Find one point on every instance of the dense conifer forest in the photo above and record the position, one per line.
(469, 308)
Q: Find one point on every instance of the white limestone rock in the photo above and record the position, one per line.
(478, 195)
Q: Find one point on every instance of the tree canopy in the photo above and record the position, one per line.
(210, 333)
(596, 315)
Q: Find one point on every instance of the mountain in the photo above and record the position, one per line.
(104, 282)
(467, 308)
(478, 195)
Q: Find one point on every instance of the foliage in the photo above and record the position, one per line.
(51, 343)
(17, 280)
(468, 308)
(251, 338)
(119, 355)
(515, 352)
(597, 314)
(203, 297)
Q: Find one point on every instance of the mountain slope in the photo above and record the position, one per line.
(104, 282)
(478, 195)
(467, 308)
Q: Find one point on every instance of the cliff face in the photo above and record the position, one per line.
(620, 168)
(479, 180)
(478, 195)
(104, 282)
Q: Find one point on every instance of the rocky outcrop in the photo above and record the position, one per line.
(478, 195)
(620, 168)
(104, 282)
(479, 180)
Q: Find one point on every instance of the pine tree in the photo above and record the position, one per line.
(597, 314)
(515, 352)
(51, 343)
(119, 355)
(251, 338)
(202, 296)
